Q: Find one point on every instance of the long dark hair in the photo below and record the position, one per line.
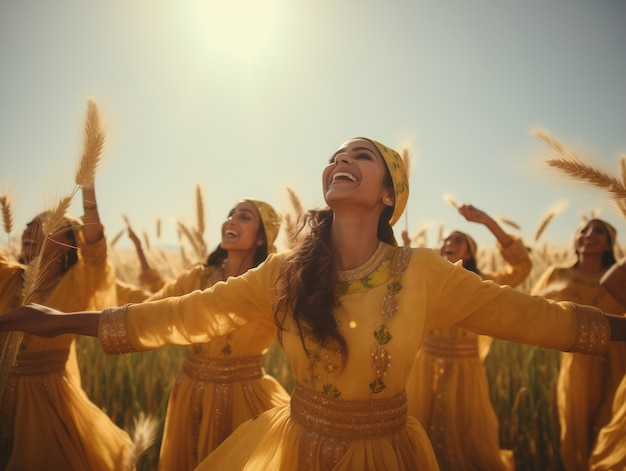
(306, 283)
(219, 255)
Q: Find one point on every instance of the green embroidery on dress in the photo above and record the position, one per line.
(377, 385)
(382, 335)
(386, 266)
(320, 367)
(331, 390)
(381, 358)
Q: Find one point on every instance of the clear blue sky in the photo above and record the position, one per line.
(246, 97)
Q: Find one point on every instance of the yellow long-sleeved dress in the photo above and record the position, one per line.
(448, 390)
(46, 419)
(586, 384)
(221, 385)
(609, 453)
(350, 413)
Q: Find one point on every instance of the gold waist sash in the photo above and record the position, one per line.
(447, 347)
(212, 370)
(331, 424)
(38, 363)
(348, 420)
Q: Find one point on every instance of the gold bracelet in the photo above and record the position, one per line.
(87, 208)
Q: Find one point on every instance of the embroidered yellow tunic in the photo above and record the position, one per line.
(609, 453)
(586, 384)
(221, 385)
(415, 292)
(45, 416)
(448, 390)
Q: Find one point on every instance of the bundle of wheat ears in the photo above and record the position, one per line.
(53, 221)
(590, 169)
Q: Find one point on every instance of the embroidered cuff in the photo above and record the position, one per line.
(594, 331)
(112, 331)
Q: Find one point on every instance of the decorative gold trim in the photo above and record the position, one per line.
(594, 331)
(112, 331)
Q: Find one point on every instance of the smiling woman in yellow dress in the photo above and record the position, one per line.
(609, 452)
(46, 419)
(222, 383)
(448, 390)
(586, 384)
(352, 309)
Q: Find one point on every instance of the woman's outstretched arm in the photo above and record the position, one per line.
(43, 321)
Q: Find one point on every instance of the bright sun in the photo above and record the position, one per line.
(240, 28)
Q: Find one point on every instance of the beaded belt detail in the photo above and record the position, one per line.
(38, 363)
(212, 370)
(330, 425)
(447, 347)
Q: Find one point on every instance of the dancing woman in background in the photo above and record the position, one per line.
(222, 383)
(46, 419)
(609, 452)
(586, 384)
(448, 390)
(352, 309)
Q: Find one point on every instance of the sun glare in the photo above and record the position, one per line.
(241, 28)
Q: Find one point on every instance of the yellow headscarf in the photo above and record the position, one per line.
(270, 220)
(399, 177)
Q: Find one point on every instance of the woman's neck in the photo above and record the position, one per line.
(353, 241)
(237, 263)
(590, 264)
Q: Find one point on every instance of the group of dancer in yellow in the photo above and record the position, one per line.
(382, 340)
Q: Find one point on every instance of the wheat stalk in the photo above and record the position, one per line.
(291, 219)
(93, 143)
(144, 435)
(296, 203)
(451, 200)
(146, 240)
(52, 222)
(555, 209)
(158, 228)
(419, 239)
(622, 166)
(590, 174)
(7, 214)
(291, 230)
(541, 227)
(200, 225)
(510, 223)
(192, 238)
(32, 277)
(116, 238)
(572, 164)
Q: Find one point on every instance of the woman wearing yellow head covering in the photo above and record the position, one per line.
(46, 419)
(352, 309)
(609, 452)
(448, 390)
(222, 382)
(586, 384)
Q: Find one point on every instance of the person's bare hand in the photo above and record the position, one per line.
(32, 319)
(473, 214)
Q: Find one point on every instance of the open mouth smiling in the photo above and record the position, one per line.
(343, 176)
